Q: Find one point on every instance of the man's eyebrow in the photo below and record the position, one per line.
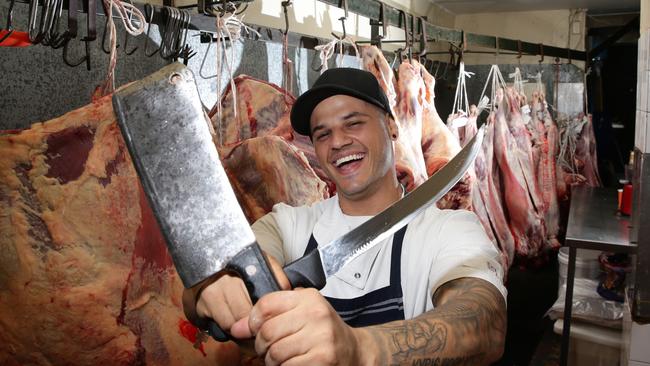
(355, 114)
(345, 118)
(316, 128)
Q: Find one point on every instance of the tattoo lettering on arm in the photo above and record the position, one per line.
(418, 335)
(467, 327)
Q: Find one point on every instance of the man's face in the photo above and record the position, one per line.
(352, 140)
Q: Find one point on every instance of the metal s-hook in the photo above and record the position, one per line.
(91, 35)
(463, 47)
(10, 28)
(126, 37)
(71, 32)
(343, 19)
(376, 37)
(407, 39)
(423, 38)
(148, 10)
(541, 52)
(186, 51)
(285, 5)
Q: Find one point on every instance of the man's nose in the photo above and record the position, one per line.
(340, 139)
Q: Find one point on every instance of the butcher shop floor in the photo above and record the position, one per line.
(530, 339)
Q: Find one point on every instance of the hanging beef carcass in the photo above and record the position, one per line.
(577, 156)
(517, 175)
(409, 114)
(85, 277)
(586, 153)
(373, 60)
(524, 154)
(411, 97)
(439, 146)
(267, 170)
(465, 131)
(546, 166)
(406, 107)
(257, 108)
(487, 196)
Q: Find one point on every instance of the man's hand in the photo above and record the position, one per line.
(226, 300)
(299, 328)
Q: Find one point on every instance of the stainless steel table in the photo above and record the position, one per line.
(593, 224)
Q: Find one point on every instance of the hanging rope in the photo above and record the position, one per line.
(229, 29)
(495, 79)
(461, 103)
(287, 79)
(327, 50)
(134, 22)
(518, 81)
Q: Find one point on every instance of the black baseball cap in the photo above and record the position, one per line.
(356, 83)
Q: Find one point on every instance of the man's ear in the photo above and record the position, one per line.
(393, 130)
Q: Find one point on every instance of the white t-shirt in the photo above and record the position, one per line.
(439, 246)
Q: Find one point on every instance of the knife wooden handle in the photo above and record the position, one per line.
(306, 271)
(253, 268)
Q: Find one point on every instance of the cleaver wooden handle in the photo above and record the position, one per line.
(253, 268)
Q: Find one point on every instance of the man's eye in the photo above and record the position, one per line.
(322, 136)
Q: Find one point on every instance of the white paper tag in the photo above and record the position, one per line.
(459, 122)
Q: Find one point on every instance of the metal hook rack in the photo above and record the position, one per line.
(377, 10)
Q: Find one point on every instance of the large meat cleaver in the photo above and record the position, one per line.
(167, 134)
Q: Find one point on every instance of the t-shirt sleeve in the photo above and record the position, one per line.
(466, 252)
(268, 235)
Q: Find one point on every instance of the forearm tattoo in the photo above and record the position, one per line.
(467, 327)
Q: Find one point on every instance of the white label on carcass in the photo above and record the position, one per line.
(525, 110)
(459, 122)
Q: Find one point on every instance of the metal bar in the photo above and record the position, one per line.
(568, 304)
(370, 9)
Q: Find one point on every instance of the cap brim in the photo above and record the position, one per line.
(305, 104)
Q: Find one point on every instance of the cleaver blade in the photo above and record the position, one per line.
(167, 134)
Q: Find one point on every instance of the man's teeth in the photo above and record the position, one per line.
(345, 159)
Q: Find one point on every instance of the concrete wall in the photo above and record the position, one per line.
(560, 28)
(645, 15)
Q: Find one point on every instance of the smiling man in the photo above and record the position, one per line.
(432, 294)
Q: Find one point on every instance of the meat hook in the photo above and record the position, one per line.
(342, 19)
(126, 37)
(148, 10)
(91, 35)
(423, 38)
(285, 6)
(376, 41)
(9, 26)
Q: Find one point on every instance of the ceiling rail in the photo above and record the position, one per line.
(372, 9)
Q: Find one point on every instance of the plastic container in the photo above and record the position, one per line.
(592, 345)
(587, 265)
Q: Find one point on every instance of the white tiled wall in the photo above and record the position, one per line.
(642, 133)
